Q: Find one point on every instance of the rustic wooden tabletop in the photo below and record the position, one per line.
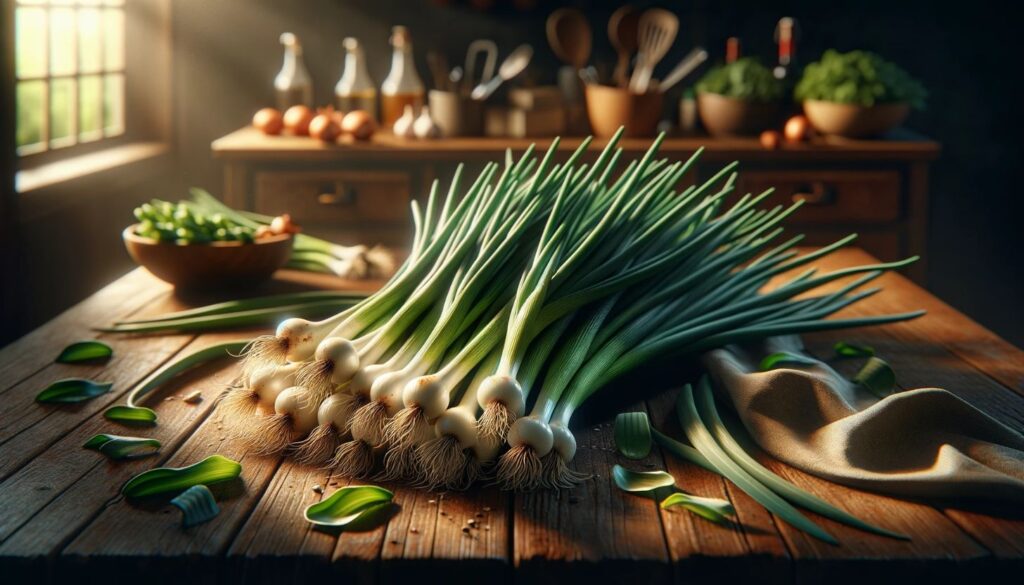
(61, 518)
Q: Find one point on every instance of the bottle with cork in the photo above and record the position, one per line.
(356, 89)
(403, 85)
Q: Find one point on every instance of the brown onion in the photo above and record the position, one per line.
(797, 129)
(297, 119)
(359, 124)
(324, 127)
(770, 139)
(268, 121)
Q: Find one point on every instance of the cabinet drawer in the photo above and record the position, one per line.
(333, 197)
(830, 196)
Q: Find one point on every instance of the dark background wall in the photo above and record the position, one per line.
(226, 55)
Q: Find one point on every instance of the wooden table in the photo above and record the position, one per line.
(62, 521)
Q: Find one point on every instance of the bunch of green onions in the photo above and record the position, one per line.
(523, 295)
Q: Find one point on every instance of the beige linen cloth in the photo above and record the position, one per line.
(919, 443)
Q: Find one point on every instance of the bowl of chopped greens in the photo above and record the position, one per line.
(857, 94)
(190, 249)
(738, 98)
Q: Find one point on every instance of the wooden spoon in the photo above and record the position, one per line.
(655, 35)
(570, 37)
(622, 32)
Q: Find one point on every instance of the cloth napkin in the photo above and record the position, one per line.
(919, 443)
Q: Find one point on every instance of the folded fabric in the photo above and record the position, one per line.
(920, 443)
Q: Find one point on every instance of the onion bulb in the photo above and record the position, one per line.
(297, 119)
(323, 127)
(771, 139)
(797, 129)
(359, 124)
(268, 121)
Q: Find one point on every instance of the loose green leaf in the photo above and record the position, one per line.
(73, 390)
(132, 415)
(197, 505)
(213, 469)
(85, 351)
(641, 481)
(785, 358)
(844, 349)
(633, 434)
(119, 447)
(350, 505)
(712, 509)
(877, 377)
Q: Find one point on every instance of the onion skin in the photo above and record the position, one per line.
(359, 124)
(771, 140)
(797, 129)
(324, 128)
(297, 120)
(269, 121)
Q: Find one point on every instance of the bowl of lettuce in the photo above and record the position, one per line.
(857, 94)
(738, 98)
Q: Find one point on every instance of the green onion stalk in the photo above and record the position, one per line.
(524, 295)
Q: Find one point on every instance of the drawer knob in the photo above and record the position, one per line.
(815, 193)
(336, 195)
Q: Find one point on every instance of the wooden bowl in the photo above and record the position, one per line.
(213, 265)
(853, 121)
(727, 116)
(610, 107)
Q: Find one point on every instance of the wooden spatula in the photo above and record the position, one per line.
(655, 34)
(622, 32)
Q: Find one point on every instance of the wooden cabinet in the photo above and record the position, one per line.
(360, 191)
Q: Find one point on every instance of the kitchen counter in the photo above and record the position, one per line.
(61, 519)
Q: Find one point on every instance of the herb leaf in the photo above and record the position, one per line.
(350, 505)
(132, 415)
(633, 434)
(785, 358)
(844, 349)
(197, 505)
(119, 447)
(712, 509)
(877, 376)
(73, 390)
(85, 351)
(640, 481)
(213, 469)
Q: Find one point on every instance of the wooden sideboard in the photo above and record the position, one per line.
(359, 191)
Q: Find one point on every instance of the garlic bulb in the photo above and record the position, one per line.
(403, 127)
(424, 126)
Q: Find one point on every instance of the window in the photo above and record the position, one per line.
(69, 73)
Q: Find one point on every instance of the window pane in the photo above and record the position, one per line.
(113, 104)
(62, 41)
(90, 41)
(30, 31)
(31, 121)
(62, 112)
(113, 39)
(90, 115)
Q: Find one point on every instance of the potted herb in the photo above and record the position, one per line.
(738, 98)
(857, 94)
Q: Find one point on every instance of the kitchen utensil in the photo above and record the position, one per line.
(610, 107)
(438, 69)
(657, 30)
(588, 75)
(570, 37)
(455, 77)
(513, 65)
(488, 51)
(684, 68)
(622, 32)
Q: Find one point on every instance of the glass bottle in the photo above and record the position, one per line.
(732, 49)
(785, 36)
(402, 86)
(355, 90)
(293, 84)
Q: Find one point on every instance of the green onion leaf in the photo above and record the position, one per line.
(844, 349)
(633, 434)
(85, 351)
(213, 469)
(73, 390)
(353, 506)
(197, 505)
(119, 447)
(712, 509)
(131, 415)
(877, 377)
(641, 481)
(784, 358)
